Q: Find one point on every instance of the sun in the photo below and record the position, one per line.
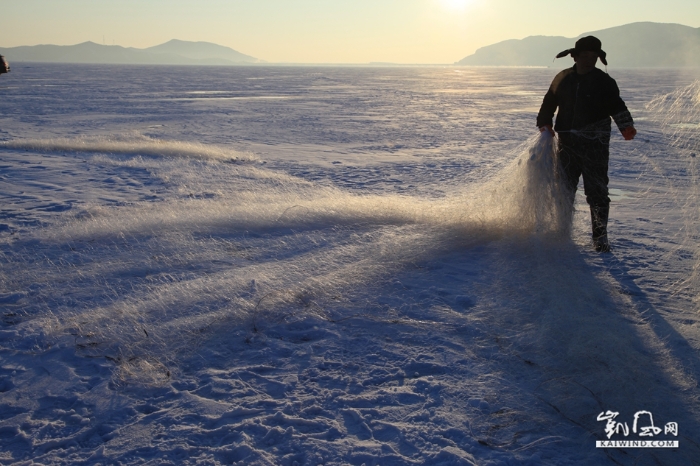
(455, 5)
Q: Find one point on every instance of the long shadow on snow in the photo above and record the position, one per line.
(676, 348)
(586, 350)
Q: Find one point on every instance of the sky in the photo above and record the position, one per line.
(326, 31)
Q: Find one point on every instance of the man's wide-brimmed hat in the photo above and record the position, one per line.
(586, 44)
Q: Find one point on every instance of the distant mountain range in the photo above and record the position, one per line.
(635, 45)
(174, 52)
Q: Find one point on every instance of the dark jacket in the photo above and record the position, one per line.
(586, 102)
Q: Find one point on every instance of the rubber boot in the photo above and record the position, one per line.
(599, 224)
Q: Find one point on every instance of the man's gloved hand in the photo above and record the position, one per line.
(547, 128)
(629, 133)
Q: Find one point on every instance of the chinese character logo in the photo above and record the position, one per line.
(646, 431)
(643, 425)
(612, 427)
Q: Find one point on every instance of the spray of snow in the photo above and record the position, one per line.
(245, 245)
(129, 144)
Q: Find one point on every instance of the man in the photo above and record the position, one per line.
(586, 97)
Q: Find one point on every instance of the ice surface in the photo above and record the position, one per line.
(375, 269)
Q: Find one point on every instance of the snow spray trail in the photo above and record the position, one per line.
(132, 143)
(237, 244)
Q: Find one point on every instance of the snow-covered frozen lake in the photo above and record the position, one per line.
(336, 265)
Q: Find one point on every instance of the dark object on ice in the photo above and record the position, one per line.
(585, 98)
(4, 66)
(586, 44)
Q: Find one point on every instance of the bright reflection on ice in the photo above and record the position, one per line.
(256, 97)
(208, 92)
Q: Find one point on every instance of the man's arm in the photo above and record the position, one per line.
(619, 112)
(545, 117)
(551, 100)
(623, 119)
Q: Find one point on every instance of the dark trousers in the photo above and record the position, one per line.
(589, 157)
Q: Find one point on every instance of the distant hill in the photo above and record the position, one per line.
(635, 45)
(201, 50)
(174, 52)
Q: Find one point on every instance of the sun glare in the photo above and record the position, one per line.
(455, 5)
